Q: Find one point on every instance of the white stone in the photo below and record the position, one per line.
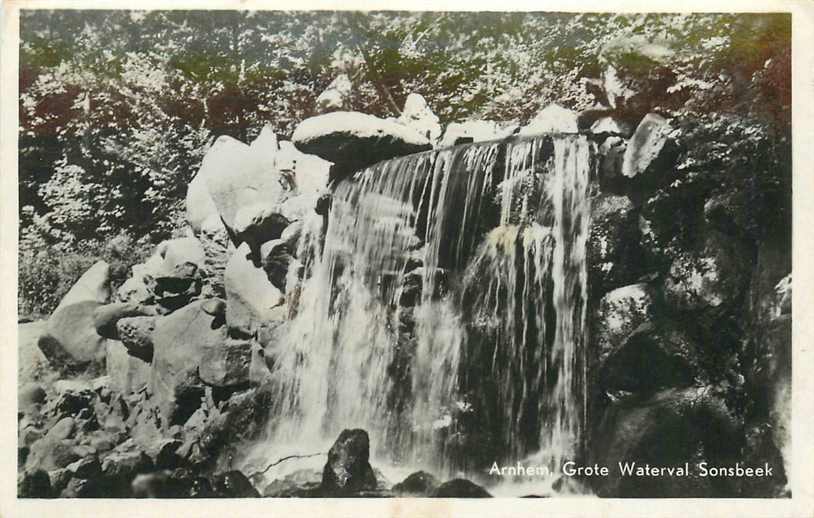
(551, 119)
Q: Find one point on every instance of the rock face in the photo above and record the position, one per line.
(92, 286)
(127, 373)
(71, 341)
(180, 340)
(227, 365)
(613, 255)
(551, 119)
(353, 140)
(348, 470)
(250, 298)
(136, 335)
(647, 148)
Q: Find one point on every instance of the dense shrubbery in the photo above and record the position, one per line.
(117, 107)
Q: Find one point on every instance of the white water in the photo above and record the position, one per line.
(478, 335)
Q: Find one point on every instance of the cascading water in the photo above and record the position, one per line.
(443, 310)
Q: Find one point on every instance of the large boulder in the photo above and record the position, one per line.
(55, 449)
(92, 286)
(475, 131)
(310, 171)
(672, 427)
(227, 365)
(258, 223)
(551, 119)
(127, 373)
(348, 469)
(180, 342)
(354, 141)
(136, 335)
(250, 298)
(650, 151)
(106, 317)
(620, 312)
(249, 177)
(71, 342)
(221, 157)
(418, 115)
(655, 355)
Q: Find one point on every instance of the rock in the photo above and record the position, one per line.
(551, 119)
(78, 386)
(354, 141)
(88, 467)
(227, 365)
(418, 116)
(250, 298)
(612, 153)
(180, 340)
(250, 177)
(419, 483)
(612, 126)
(336, 96)
(216, 245)
(257, 224)
(620, 312)
(348, 470)
(670, 428)
(92, 286)
(59, 480)
(300, 206)
(475, 131)
(713, 277)
(29, 397)
(613, 254)
(71, 342)
(127, 373)
(656, 355)
(105, 317)
(83, 488)
(53, 451)
(301, 483)
(650, 151)
(121, 466)
(782, 297)
(310, 172)
(219, 158)
(234, 484)
(276, 257)
(136, 334)
(460, 488)
(32, 365)
(34, 484)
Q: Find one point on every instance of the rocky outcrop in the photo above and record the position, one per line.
(418, 116)
(620, 312)
(649, 151)
(419, 483)
(460, 488)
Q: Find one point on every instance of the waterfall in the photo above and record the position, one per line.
(443, 310)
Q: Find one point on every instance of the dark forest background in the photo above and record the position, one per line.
(117, 108)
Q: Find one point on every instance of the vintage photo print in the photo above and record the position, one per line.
(296, 259)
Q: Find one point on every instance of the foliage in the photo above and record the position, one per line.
(117, 107)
